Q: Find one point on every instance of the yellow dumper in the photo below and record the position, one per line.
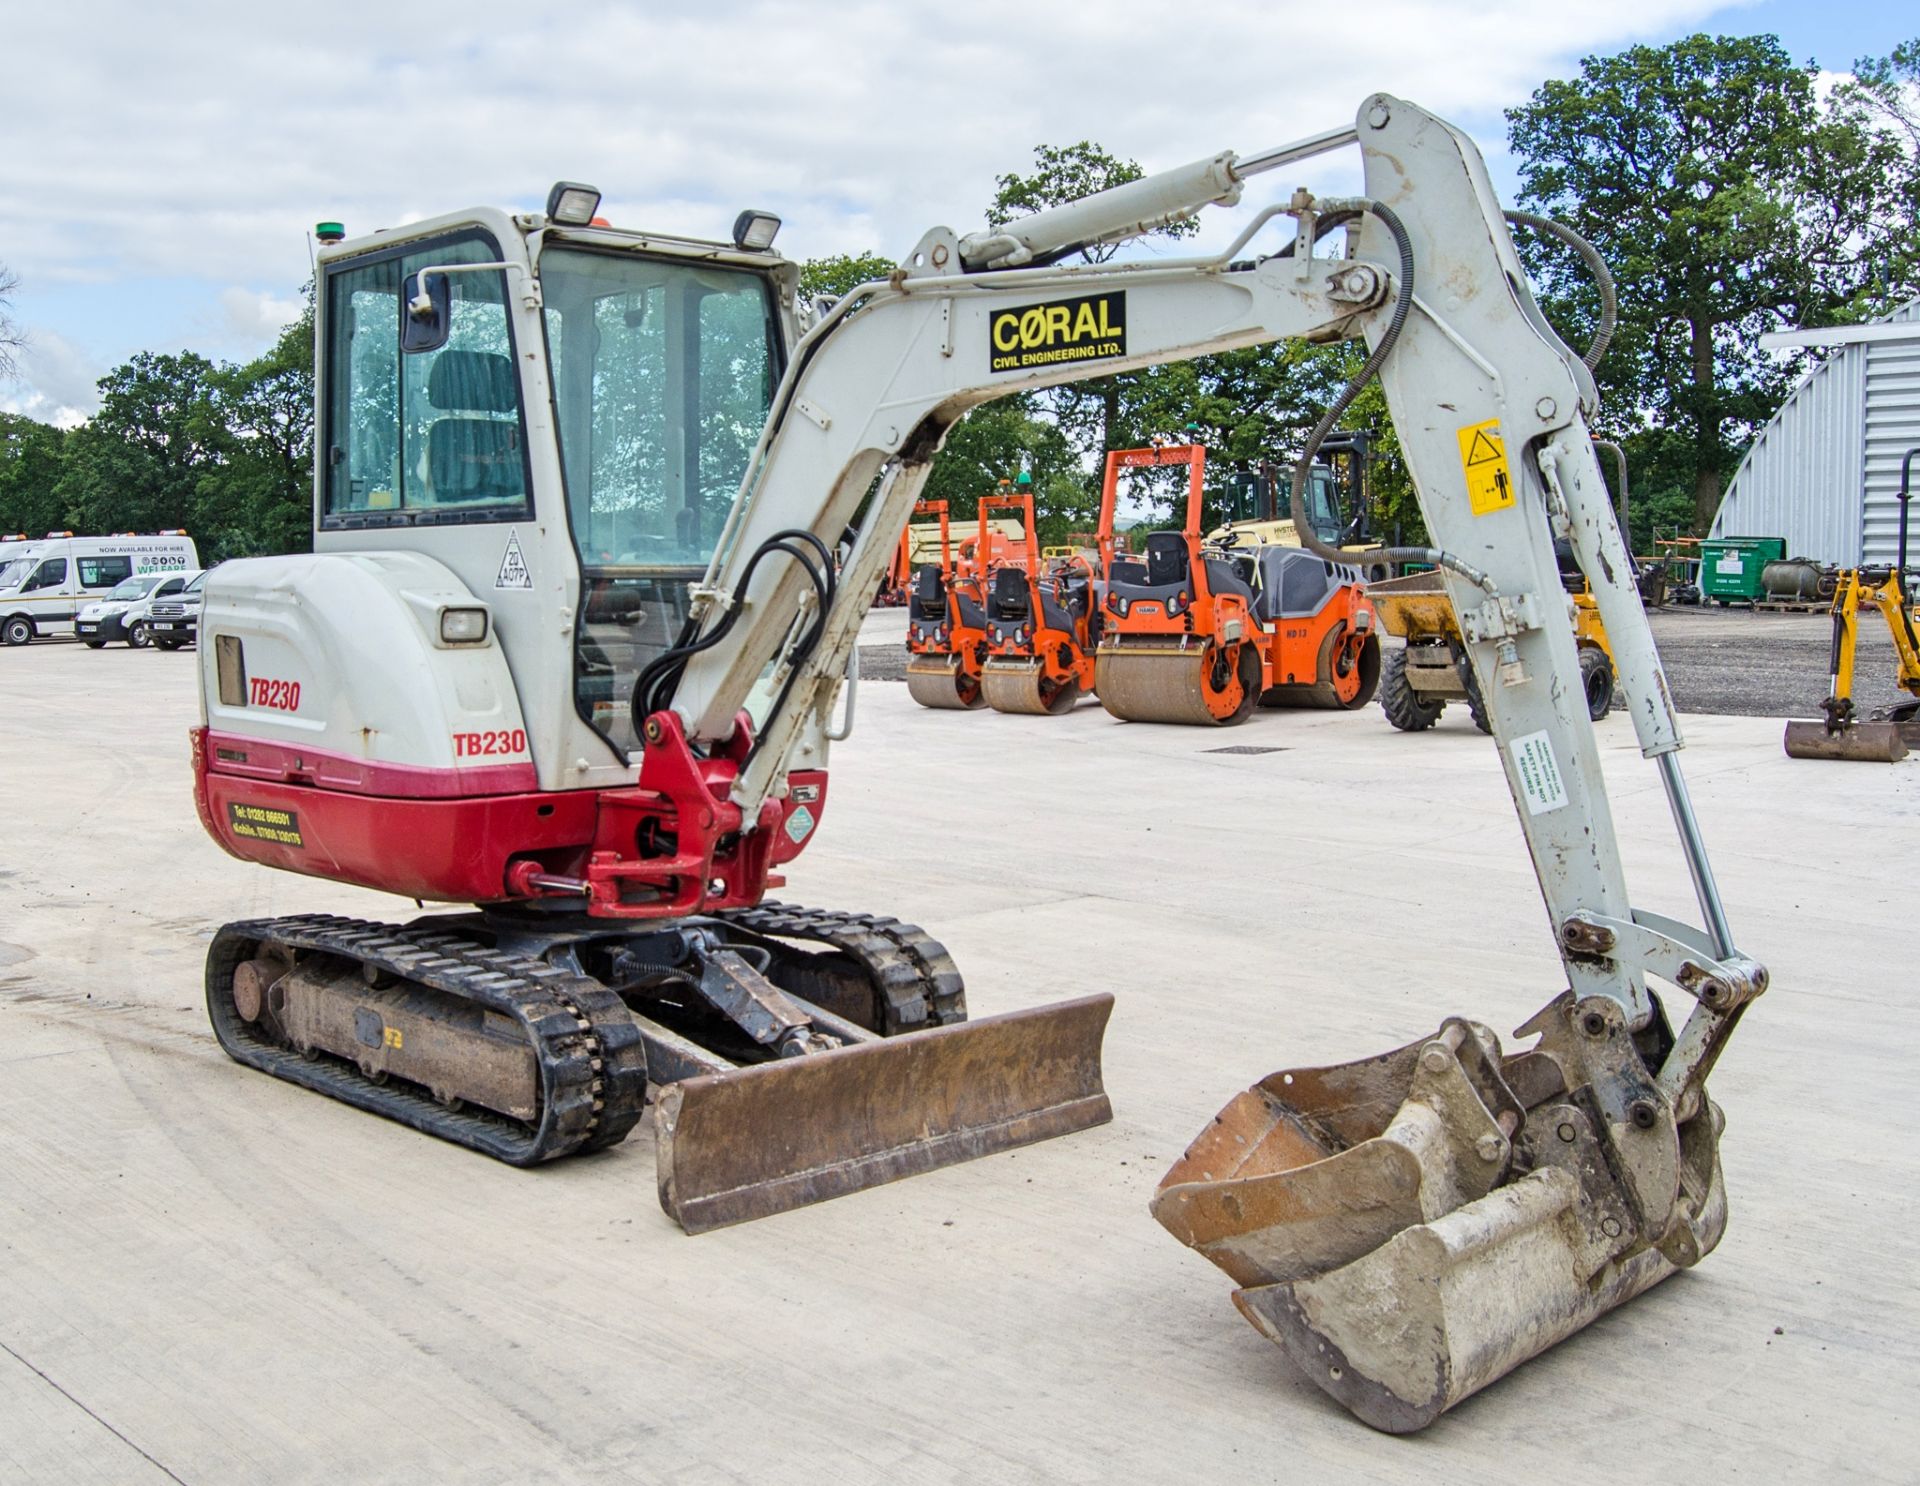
(1418, 680)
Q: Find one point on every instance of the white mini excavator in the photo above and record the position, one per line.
(597, 515)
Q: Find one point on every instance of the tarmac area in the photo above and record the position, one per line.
(207, 1275)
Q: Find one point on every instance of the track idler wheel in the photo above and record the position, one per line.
(1024, 686)
(942, 682)
(1346, 673)
(1212, 687)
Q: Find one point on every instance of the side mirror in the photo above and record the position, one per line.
(427, 299)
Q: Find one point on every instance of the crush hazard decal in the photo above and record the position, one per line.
(264, 823)
(1091, 328)
(1483, 459)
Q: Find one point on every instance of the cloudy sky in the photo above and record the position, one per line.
(163, 164)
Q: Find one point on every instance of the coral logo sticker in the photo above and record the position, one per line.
(1091, 328)
(1483, 457)
(264, 823)
(514, 572)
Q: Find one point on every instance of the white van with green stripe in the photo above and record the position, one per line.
(43, 583)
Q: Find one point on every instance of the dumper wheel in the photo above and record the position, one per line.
(1596, 675)
(1406, 708)
(1476, 704)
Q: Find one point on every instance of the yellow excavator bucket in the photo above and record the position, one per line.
(1414, 1226)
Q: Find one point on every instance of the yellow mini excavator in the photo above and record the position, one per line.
(597, 519)
(1884, 737)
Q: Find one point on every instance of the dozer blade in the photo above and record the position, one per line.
(1862, 742)
(1412, 1227)
(763, 1139)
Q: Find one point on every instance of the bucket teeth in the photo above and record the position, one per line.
(1413, 1226)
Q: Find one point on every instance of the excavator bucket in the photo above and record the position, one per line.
(1414, 1226)
(759, 1140)
(1861, 742)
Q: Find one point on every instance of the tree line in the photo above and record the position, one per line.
(1728, 188)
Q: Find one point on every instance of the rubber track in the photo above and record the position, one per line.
(913, 972)
(591, 1060)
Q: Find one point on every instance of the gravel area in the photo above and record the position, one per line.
(1734, 662)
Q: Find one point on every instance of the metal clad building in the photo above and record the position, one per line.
(1823, 473)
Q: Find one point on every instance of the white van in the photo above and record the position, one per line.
(44, 583)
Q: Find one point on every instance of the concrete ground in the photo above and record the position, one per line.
(206, 1275)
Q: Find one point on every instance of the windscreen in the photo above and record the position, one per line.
(663, 372)
(14, 571)
(134, 588)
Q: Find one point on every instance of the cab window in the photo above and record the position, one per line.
(663, 370)
(104, 572)
(50, 574)
(436, 436)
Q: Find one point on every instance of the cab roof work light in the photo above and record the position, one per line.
(571, 204)
(754, 231)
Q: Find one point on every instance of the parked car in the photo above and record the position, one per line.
(122, 614)
(175, 621)
(43, 584)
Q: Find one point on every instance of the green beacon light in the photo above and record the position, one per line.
(1025, 479)
(329, 232)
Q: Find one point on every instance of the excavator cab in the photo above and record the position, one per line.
(533, 434)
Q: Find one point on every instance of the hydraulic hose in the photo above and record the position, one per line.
(653, 688)
(1602, 278)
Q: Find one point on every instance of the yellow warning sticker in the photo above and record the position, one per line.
(1483, 456)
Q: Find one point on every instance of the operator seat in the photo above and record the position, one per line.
(929, 593)
(474, 459)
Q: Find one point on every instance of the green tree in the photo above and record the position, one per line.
(135, 465)
(996, 442)
(256, 494)
(837, 273)
(1730, 197)
(30, 459)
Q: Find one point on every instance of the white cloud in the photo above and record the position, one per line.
(253, 316)
(56, 381)
(204, 139)
(199, 141)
